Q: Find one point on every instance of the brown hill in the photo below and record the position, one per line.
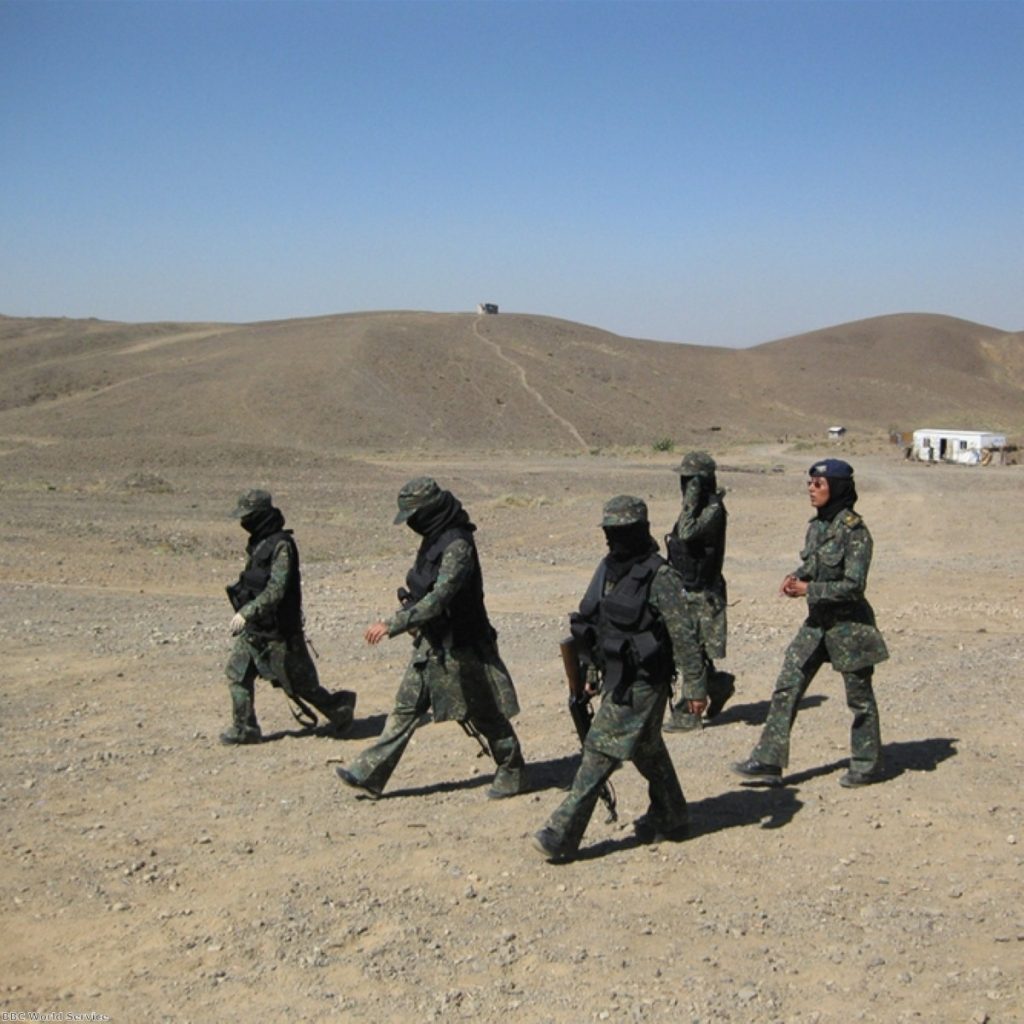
(123, 393)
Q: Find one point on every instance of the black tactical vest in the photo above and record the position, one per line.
(286, 618)
(699, 561)
(619, 630)
(464, 622)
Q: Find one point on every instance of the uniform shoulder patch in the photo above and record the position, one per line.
(851, 519)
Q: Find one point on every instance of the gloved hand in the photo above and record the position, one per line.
(237, 623)
(693, 492)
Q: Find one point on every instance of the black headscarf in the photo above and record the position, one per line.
(842, 494)
(445, 513)
(260, 525)
(627, 545)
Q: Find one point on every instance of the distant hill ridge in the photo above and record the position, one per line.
(432, 381)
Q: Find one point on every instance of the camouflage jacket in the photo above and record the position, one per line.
(702, 523)
(453, 676)
(697, 549)
(834, 562)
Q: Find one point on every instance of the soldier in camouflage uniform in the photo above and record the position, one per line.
(268, 626)
(696, 550)
(633, 631)
(840, 627)
(456, 671)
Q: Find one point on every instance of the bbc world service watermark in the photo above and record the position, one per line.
(54, 1015)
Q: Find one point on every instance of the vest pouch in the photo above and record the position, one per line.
(653, 656)
(645, 648)
(624, 607)
(236, 595)
(618, 668)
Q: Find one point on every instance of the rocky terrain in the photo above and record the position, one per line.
(152, 874)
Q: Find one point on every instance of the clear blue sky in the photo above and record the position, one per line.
(714, 173)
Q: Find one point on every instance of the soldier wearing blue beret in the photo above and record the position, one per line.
(840, 628)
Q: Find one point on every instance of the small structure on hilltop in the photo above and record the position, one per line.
(969, 447)
(487, 307)
(836, 433)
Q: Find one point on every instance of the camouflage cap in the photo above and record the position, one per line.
(696, 464)
(416, 494)
(253, 500)
(624, 510)
(836, 469)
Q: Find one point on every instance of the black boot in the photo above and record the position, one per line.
(339, 709)
(244, 727)
(722, 685)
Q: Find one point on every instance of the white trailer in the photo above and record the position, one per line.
(932, 444)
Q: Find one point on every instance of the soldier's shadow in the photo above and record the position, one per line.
(757, 711)
(475, 782)
(541, 775)
(912, 756)
(366, 728)
(742, 808)
(918, 755)
(360, 729)
(557, 773)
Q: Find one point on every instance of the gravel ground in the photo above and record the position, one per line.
(152, 874)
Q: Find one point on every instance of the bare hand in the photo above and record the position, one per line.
(696, 707)
(792, 587)
(237, 623)
(375, 633)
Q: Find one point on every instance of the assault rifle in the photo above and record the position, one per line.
(581, 712)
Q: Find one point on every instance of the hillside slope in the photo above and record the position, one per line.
(431, 381)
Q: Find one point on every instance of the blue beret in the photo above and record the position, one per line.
(834, 469)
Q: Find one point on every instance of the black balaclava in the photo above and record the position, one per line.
(260, 525)
(444, 513)
(627, 545)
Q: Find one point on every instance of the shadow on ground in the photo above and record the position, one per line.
(765, 808)
(361, 729)
(756, 712)
(912, 756)
(918, 755)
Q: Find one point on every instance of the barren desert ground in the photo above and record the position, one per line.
(150, 873)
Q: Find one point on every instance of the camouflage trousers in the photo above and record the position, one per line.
(374, 766)
(287, 664)
(792, 683)
(708, 610)
(619, 733)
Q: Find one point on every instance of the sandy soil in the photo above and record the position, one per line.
(152, 874)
